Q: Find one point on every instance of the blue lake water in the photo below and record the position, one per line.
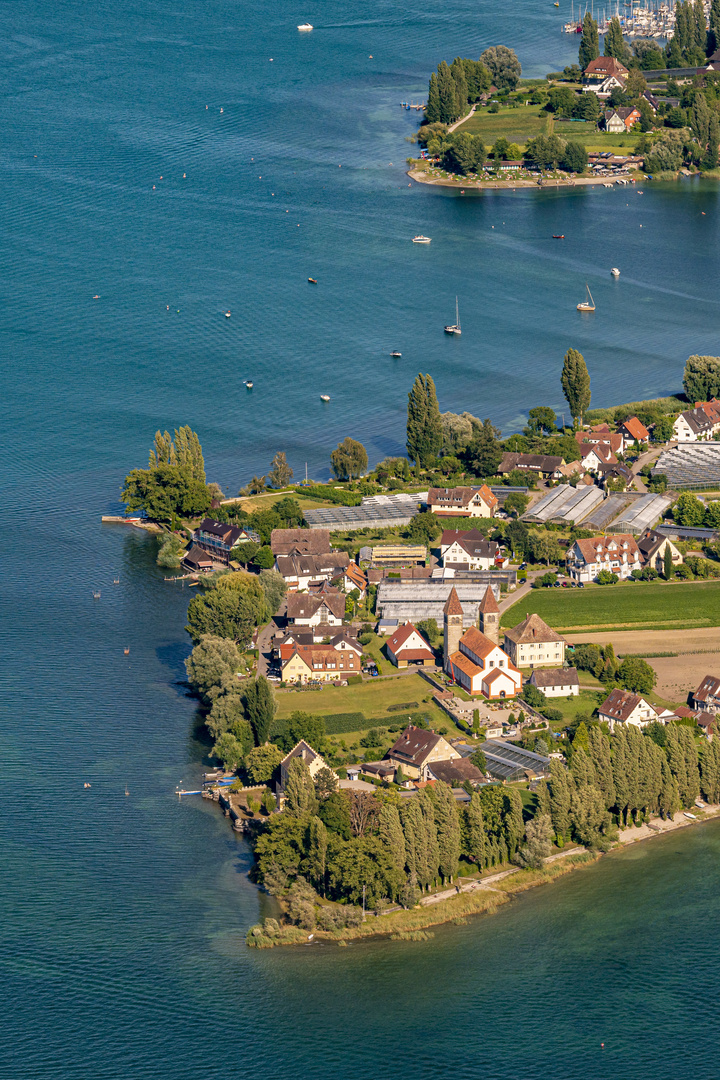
(122, 919)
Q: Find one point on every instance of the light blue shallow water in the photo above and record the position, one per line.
(122, 918)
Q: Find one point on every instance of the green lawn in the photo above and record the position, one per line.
(524, 123)
(517, 125)
(370, 698)
(643, 605)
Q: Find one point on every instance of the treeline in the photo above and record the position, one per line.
(453, 87)
(626, 778)
(342, 841)
(695, 38)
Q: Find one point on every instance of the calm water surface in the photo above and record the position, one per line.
(122, 919)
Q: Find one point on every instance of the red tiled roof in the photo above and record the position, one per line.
(620, 704)
(636, 429)
(589, 548)
(477, 642)
(708, 688)
(489, 604)
(452, 604)
(403, 634)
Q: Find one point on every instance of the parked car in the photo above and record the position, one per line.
(581, 584)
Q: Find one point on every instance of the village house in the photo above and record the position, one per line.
(417, 749)
(300, 571)
(408, 646)
(618, 554)
(556, 682)
(319, 663)
(622, 119)
(545, 465)
(617, 477)
(707, 696)
(596, 455)
(469, 550)
(533, 643)
(354, 578)
(712, 411)
(623, 707)
(217, 539)
(693, 425)
(314, 761)
(652, 547)
(600, 435)
(198, 561)
(633, 431)
(462, 502)
(605, 88)
(300, 542)
(600, 69)
(325, 607)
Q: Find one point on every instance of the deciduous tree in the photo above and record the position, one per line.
(503, 65)
(280, 473)
(261, 763)
(299, 789)
(260, 707)
(349, 460)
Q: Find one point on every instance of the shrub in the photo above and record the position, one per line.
(339, 496)
(354, 680)
(403, 707)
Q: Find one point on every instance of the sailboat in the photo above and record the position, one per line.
(589, 304)
(455, 327)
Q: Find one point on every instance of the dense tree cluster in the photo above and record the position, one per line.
(174, 484)
(701, 378)
(424, 427)
(343, 841)
(627, 778)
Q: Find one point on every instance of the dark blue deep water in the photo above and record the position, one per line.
(122, 919)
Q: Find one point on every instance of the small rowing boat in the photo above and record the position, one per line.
(615, 272)
(324, 397)
(558, 236)
(312, 280)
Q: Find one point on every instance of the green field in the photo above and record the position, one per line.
(371, 699)
(646, 606)
(524, 123)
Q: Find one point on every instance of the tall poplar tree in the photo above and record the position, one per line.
(513, 824)
(412, 823)
(700, 25)
(447, 821)
(457, 70)
(430, 850)
(424, 426)
(449, 106)
(260, 707)
(560, 792)
(615, 42)
(299, 789)
(582, 768)
(600, 757)
(713, 36)
(476, 838)
(432, 108)
(589, 42)
(317, 853)
(391, 833)
(575, 381)
(620, 771)
(710, 770)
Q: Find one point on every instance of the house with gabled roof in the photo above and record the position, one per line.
(624, 707)
(468, 550)
(311, 609)
(300, 571)
(652, 546)
(455, 772)
(408, 646)
(462, 501)
(318, 663)
(556, 682)
(300, 542)
(597, 455)
(533, 643)
(620, 120)
(693, 425)
(314, 761)
(602, 66)
(417, 749)
(546, 465)
(707, 696)
(634, 431)
(619, 554)
(218, 538)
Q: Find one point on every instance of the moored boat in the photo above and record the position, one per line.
(615, 272)
(454, 328)
(324, 397)
(587, 304)
(396, 353)
(305, 26)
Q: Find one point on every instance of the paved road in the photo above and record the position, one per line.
(642, 461)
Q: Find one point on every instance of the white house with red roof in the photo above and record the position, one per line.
(617, 553)
(634, 431)
(408, 646)
(462, 501)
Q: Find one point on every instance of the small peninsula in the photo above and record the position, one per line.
(415, 720)
(636, 112)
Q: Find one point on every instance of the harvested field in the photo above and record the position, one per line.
(698, 655)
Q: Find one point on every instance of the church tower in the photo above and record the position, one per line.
(489, 616)
(452, 627)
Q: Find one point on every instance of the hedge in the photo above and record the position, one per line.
(330, 494)
(405, 705)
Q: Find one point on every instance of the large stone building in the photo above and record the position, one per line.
(533, 643)
(473, 657)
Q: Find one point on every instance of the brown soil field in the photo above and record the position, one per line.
(677, 675)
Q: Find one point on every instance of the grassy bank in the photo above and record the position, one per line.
(616, 607)
(479, 902)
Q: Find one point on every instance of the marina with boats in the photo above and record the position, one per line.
(636, 19)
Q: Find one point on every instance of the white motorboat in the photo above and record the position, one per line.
(454, 328)
(421, 239)
(227, 314)
(615, 272)
(305, 26)
(324, 397)
(396, 353)
(248, 383)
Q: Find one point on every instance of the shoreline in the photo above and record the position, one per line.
(421, 177)
(481, 896)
